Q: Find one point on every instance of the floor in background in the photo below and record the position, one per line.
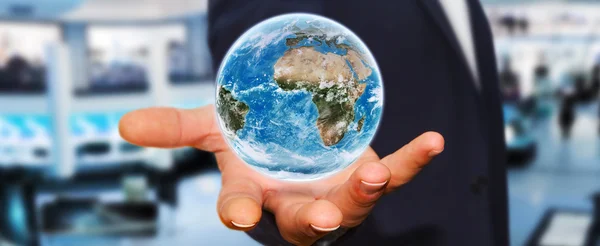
(564, 174)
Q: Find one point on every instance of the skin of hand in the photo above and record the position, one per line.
(304, 211)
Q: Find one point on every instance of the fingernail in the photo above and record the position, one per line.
(242, 225)
(435, 152)
(321, 229)
(371, 188)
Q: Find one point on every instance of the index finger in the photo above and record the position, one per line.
(405, 163)
(164, 127)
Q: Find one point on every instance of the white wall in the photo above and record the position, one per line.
(134, 10)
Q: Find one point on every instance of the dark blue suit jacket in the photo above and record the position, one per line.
(460, 198)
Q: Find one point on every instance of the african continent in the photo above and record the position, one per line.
(333, 81)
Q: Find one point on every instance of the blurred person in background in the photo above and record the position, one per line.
(510, 23)
(17, 72)
(541, 77)
(4, 48)
(542, 87)
(437, 58)
(4, 55)
(581, 88)
(568, 95)
(523, 23)
(567, 115)
(595, 81)
(596, 84)
(509, 82)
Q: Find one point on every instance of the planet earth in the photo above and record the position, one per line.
(299, 97)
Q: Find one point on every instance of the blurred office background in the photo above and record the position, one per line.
(69, 69)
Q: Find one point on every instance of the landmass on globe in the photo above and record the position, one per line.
(360, 124)
(334, 82)
(231, 110)
(316, 35)
(299, 97)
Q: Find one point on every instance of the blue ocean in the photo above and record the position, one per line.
(280, 137)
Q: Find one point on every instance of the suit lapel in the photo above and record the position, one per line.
(434, 9)
(486, 62)
(481, 40)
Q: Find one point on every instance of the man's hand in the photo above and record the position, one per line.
(304, 211)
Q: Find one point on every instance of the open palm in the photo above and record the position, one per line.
(304, 211)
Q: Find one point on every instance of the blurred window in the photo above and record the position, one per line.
(22, 56)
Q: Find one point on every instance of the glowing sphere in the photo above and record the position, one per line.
(299, 97)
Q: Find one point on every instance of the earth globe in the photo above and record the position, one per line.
(299, 97)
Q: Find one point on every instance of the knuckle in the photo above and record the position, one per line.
(362, 201)
(362, 204)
